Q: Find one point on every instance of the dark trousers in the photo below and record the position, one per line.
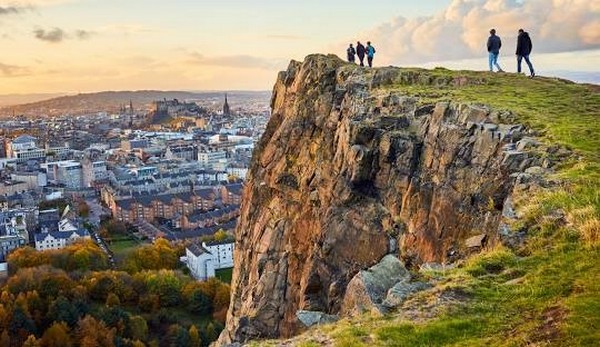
(361, 57)
(370, 60)
(520, 59)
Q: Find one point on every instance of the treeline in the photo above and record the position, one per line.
(69, 297)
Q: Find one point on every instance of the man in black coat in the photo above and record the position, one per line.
(360, 51)
(524, 47)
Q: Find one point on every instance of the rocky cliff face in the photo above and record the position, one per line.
(350, 170)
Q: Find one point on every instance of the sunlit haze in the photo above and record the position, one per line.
(92, 45)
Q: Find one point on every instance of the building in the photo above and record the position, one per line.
(23, 148)
(130, 145)
(203, 260)
(9, 243)
(186, 152)
(69, 173)
(150, 207)
(231, 194)
(200, 262)
(210, 158)
(33, 179)
(226, 110)
(93, 171)
(222, 252)
(8, 188)
(59, 239)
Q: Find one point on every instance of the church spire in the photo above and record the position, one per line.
(226, 106)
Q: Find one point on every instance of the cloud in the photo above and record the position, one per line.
(84, 34)
(7, 70)
(236, 61)
(25, 3)
(57, 35)
(10, 10)
(461, 30)
(54, 35)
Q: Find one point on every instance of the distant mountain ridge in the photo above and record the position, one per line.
(112, 101)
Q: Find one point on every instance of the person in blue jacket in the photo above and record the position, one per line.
(370, 53)
(524, 47)
(494, 44)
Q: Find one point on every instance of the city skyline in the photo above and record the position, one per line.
(89, 45)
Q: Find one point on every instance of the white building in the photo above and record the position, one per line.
(211, 158)
(222, 253)
(23, 148)
(70, 174)
(59, 239)
(204, 260)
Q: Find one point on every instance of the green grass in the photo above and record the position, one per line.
(122, 246)
(555, 299)
(224, 275)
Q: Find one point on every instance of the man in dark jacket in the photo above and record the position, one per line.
(360, 51)
(493, 46)
(350, 52)
(524, 47)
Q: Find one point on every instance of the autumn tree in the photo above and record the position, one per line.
(57, 336)
(195, 340)
(178, 336)
(83, 209)
(94, 333)
(112, 300)
(31, 342)
(138, 328)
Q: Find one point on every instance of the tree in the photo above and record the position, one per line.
(211, 332)
(221, 235)
(194, 337)
(21, 325)
(63, 310)
(94, 333)
(137, 343)
(4, 338)
(84, 209)
(31, 342)
(112, 300)
(200, 303)
(178, 336)
(138, 327)
(57, 336)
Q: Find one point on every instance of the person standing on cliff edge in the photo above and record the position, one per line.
(524, 47)
(493, 46)
(350, 52)
(360, 51)
(370, 53)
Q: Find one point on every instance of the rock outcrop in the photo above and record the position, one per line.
(351, 169)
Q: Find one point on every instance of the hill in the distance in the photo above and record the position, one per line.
(112, 101)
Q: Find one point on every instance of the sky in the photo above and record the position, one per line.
(70, 46)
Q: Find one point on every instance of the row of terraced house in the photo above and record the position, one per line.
(197, 209)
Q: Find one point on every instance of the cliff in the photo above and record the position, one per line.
(351, 168)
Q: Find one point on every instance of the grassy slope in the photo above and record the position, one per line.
(557, 298)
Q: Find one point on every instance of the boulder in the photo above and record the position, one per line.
(401, 291)
(369, 288)
(311, 318)
(476, 241)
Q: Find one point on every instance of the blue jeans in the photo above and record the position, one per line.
(520, 59)
(493, 59)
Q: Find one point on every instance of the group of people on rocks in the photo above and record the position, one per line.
(361, 51)
(524, 47)
(494, 43)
